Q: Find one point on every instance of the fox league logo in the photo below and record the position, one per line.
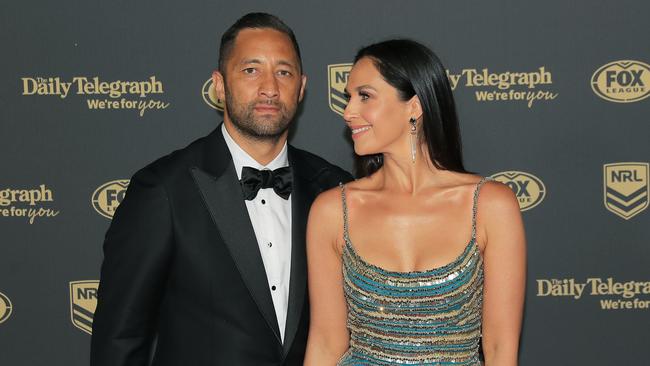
(529, 190)
(108, 196)
(623, 81)
(5, 308)
(210, 95)
(337, 79)
(83, 302)
(625, 188)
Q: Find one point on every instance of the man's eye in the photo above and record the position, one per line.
(249, 70)
(284, 73)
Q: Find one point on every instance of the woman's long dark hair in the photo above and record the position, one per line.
(413, 69)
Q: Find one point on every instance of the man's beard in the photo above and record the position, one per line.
(263, 128)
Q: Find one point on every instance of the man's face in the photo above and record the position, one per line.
(262, 85)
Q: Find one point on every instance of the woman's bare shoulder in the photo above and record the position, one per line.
(331, 199)
(362, 184)
(325, 223)
(498, 197)
(327, 201)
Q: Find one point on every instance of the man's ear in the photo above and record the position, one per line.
(218, 81)
(303, 83)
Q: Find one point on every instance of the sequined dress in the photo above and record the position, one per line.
(428, 317)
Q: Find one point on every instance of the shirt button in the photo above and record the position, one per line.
(270, 244)
(273, 288)
(263, 201)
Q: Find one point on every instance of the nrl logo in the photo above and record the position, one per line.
(625, 188)
(83, 301)
(337, 79)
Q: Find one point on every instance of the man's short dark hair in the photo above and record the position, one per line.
(256, 21)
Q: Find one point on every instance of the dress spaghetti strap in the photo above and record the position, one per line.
(345, 212)
(475, 204)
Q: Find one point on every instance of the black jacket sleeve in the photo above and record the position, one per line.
(137, 249)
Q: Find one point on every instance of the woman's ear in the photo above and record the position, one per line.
(414, 107)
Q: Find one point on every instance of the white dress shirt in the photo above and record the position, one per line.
(270, 215)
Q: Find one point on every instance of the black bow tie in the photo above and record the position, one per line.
(252, 180)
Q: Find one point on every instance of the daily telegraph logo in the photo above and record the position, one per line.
(108, 196)
(506, 86)
(529, 189)
(210, 96)
(628, 293)
(83, 302)
(101, 95)
(623, 81)
(527, 87)
(337, 79)
(625, 188)
(29, 204)
(5, 308)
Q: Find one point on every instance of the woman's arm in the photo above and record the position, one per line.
(328, 335)
(505, 273)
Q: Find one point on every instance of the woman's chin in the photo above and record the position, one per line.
(363, 151)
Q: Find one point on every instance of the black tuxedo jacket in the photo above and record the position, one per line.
(182, 264)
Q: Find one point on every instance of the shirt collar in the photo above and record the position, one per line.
(241, 158)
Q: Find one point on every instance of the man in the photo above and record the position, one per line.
(207, 253)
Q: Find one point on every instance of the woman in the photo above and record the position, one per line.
(407, 265)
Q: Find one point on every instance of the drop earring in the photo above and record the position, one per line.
(413, 139)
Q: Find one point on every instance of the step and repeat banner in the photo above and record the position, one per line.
(553, 98)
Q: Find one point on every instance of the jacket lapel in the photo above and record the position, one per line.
(303, 194)
(221, 192)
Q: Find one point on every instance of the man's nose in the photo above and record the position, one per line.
(269, 86)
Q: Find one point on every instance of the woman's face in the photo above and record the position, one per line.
(379, 120)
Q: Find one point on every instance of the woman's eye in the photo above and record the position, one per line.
(364, 96)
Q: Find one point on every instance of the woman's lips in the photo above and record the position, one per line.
(359, 130)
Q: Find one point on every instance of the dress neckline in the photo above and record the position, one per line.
(471, 246)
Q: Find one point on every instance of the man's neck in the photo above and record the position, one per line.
(263, 151)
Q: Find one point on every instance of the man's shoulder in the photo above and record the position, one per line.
(177, 162)
(312, 166)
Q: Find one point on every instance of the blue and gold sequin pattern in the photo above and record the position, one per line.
(428, 317)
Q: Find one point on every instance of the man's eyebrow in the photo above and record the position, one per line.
(250, 61)
(286, 63)
(258, 61)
